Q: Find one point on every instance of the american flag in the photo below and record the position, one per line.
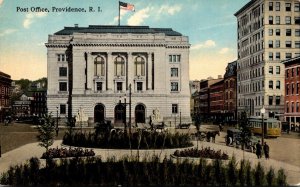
(126, 6)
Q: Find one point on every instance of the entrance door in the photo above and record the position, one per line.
(99, 113)
(120, 114)
(140, 114)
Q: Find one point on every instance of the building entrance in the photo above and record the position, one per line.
(99, 113)
(120, 114)
(140, 114)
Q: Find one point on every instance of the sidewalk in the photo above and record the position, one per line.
(21, 154)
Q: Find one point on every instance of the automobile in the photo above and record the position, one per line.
(234, 137)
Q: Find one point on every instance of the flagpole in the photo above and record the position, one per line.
(119, 14)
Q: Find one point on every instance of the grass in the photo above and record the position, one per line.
(17, 134)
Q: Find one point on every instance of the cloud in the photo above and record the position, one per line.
(139, 17)
(216, 26)
(1, 1)
(224, 50)
(171, 10)
(30, 18)
(7, 31)
(206, 44)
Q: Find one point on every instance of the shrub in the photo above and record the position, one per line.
(281, 178)
(119, 140)
(202, 153)
(64, 153)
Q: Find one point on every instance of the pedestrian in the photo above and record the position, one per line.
(266, 150)
(258, 150)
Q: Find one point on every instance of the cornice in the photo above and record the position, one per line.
(127, 45)
(49, 45)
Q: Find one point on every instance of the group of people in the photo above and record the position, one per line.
(265, 148)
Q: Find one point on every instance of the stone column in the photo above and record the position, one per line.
(130, 70)
(90, 71)
(149, 71)
(110, 71)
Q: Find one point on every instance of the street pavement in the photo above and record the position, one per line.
(21, 154)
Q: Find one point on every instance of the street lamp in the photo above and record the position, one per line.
(56, 129)
(262, 111)
(125, 104)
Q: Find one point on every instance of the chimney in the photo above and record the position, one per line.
(76, 25)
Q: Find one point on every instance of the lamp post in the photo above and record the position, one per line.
(56, 129)
(262, 111)
(125, 106)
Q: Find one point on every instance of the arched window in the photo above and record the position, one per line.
(119, 66)
(99, 66)
(139, 66)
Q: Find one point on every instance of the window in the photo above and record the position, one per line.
(297, 32)
(63, 71)
(297, 7)
(174, 58)
(270, 6)
(174, 108)
(288, 55)
(174, 72)
(62, 86)
(277, 32)
(270, 32)
(288, 20)
(270, 84)
(119, 86)
(297, 107)
(288, 44)
(298, 71)
(271, 69)
(270, 56)
(287, 6)
(139, 66)
(292, 107)
(297, 20)
(99, 86)
(277, 100)
(139, 86)
(270, 44)
(278, 85)
(292, 72)
(277, 69)
(61, 57)
(293, 88)
(119, 66)
(174, 86)
(277, 20)
(99, 66)
(277, 6)
(271, 20)
(287, 73)
(277, 43)
(288, 32)
(287, 89)
(297, 88)
(270, 100)
(62, 109)
(287, 108)
(277, 56)
(297, 44)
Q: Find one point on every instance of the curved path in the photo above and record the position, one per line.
(21, 154)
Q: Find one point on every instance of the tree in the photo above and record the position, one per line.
(246, 131)
(46, 132)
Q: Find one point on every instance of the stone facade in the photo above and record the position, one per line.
(268, 32)
(5, 94)
(95, 68)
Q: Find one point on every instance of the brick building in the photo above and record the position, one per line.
(230, 94)
(216, 100)
(292, 90)
(5, 94)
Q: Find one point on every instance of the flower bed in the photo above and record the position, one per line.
(64, 153)
(206, 152)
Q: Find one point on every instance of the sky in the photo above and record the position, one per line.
(209, 24)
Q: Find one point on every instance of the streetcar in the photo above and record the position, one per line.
(272, 126)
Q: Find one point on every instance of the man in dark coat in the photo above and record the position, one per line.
(258, 150)
(266, 150)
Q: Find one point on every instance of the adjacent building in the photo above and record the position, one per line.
(292, 91)
(216, 101)
(230, 92)
(5, 94)
(268, 32)
(94, 69)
